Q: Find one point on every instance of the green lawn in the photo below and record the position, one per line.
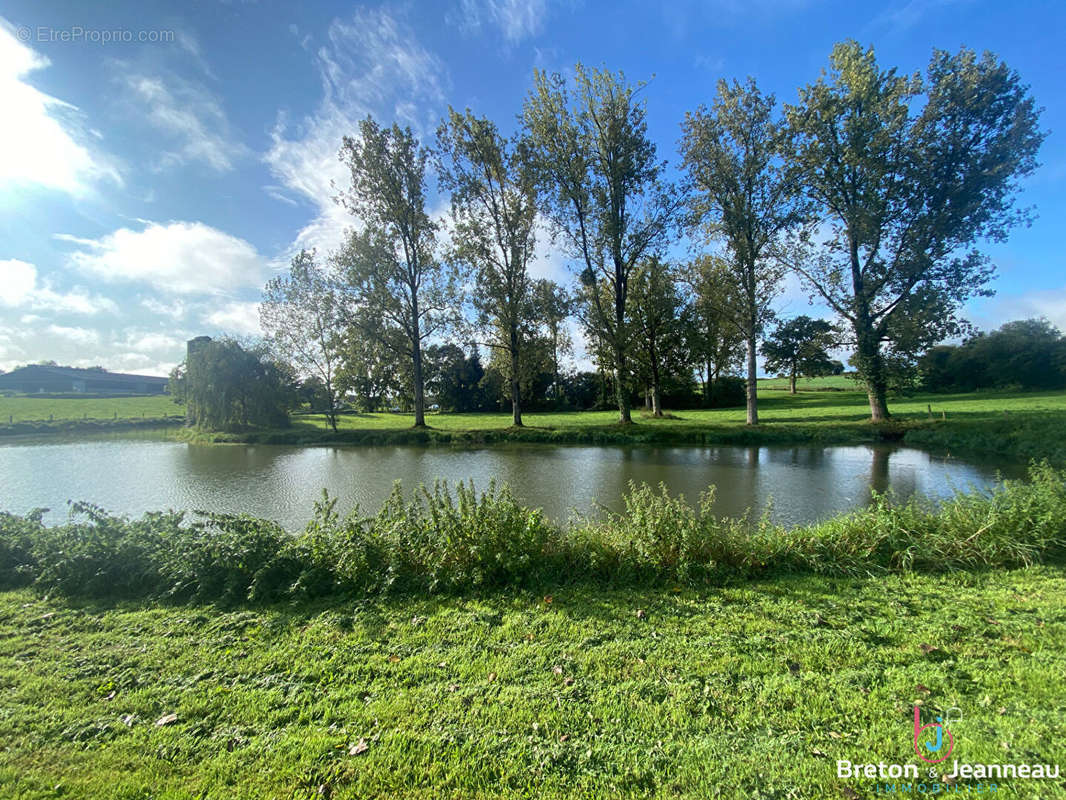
(827, 382)
(28, 408)
(753, 690)
(774, 407)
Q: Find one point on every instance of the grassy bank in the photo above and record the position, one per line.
(1010, 425)
(458, 646)
(751, 690)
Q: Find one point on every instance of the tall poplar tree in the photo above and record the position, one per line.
(742, 197)
(394, 288)
(602, 186)
(906, 175)
(493, 202)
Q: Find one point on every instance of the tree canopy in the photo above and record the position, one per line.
(905, 176)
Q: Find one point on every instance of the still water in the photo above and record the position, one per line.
(799, 484)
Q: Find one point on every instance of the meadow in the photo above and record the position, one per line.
(458, 645)
(1019, 426)
(30, 408)
(750, 690)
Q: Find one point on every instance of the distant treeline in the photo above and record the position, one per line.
(1026, 354)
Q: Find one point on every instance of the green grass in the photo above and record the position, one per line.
(776, 408)
(28, 408)
(1008, 425)
(828, 382)
(751, 690)
(1012, 425)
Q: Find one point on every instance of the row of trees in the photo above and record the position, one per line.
(874, 187)
(1025, 354)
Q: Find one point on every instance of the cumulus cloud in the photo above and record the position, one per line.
(40, 140)
(371, 64)
(237, 318)
(190, 118)
(153, 342)
(187, 258)
(20, 288)
(80, 336)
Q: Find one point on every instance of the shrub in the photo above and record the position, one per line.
(441, 540)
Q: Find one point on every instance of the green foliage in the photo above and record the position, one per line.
(909, 188)
(659, 322)
(493, 201)
(745, 198)
(227, 386)
(798, 348)
(602, 186)
(715, 341)
(302, 325)
(462, 541)
(1024, 354)
(392, 288)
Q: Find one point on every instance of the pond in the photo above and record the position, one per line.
(798, 484)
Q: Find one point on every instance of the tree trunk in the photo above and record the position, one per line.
(656, 392)
(620, 393)
(416, 353)
(872, 368)
(878, 404)
(751, 386)
(707, 387)
(792, 383)
(332, 416)
(868, 344)
(555, 367)
(516, 402)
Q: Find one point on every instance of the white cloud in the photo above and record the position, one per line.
(515, 19)
(238, 318)
(173, 308)
(80, 336)
(190, 117)
(372, 64)
(177, 257)
(153, 342)
(993, 312)
(38, 145)
(137, 363)
(19, 288)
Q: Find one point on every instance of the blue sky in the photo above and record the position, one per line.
(151, 184)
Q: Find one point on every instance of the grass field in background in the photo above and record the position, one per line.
(28, 408)
(752, 690)
(829, 408)
(1016, 425)
(806, 406)
(832, 382)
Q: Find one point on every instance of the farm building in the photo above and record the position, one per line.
(38, 379)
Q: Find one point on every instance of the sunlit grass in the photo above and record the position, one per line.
(27, 408)
(751, 690)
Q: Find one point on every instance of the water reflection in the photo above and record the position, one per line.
(801, 484)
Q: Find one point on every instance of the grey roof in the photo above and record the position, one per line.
(77, 373)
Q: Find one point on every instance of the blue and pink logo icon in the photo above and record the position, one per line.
(931, 747)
